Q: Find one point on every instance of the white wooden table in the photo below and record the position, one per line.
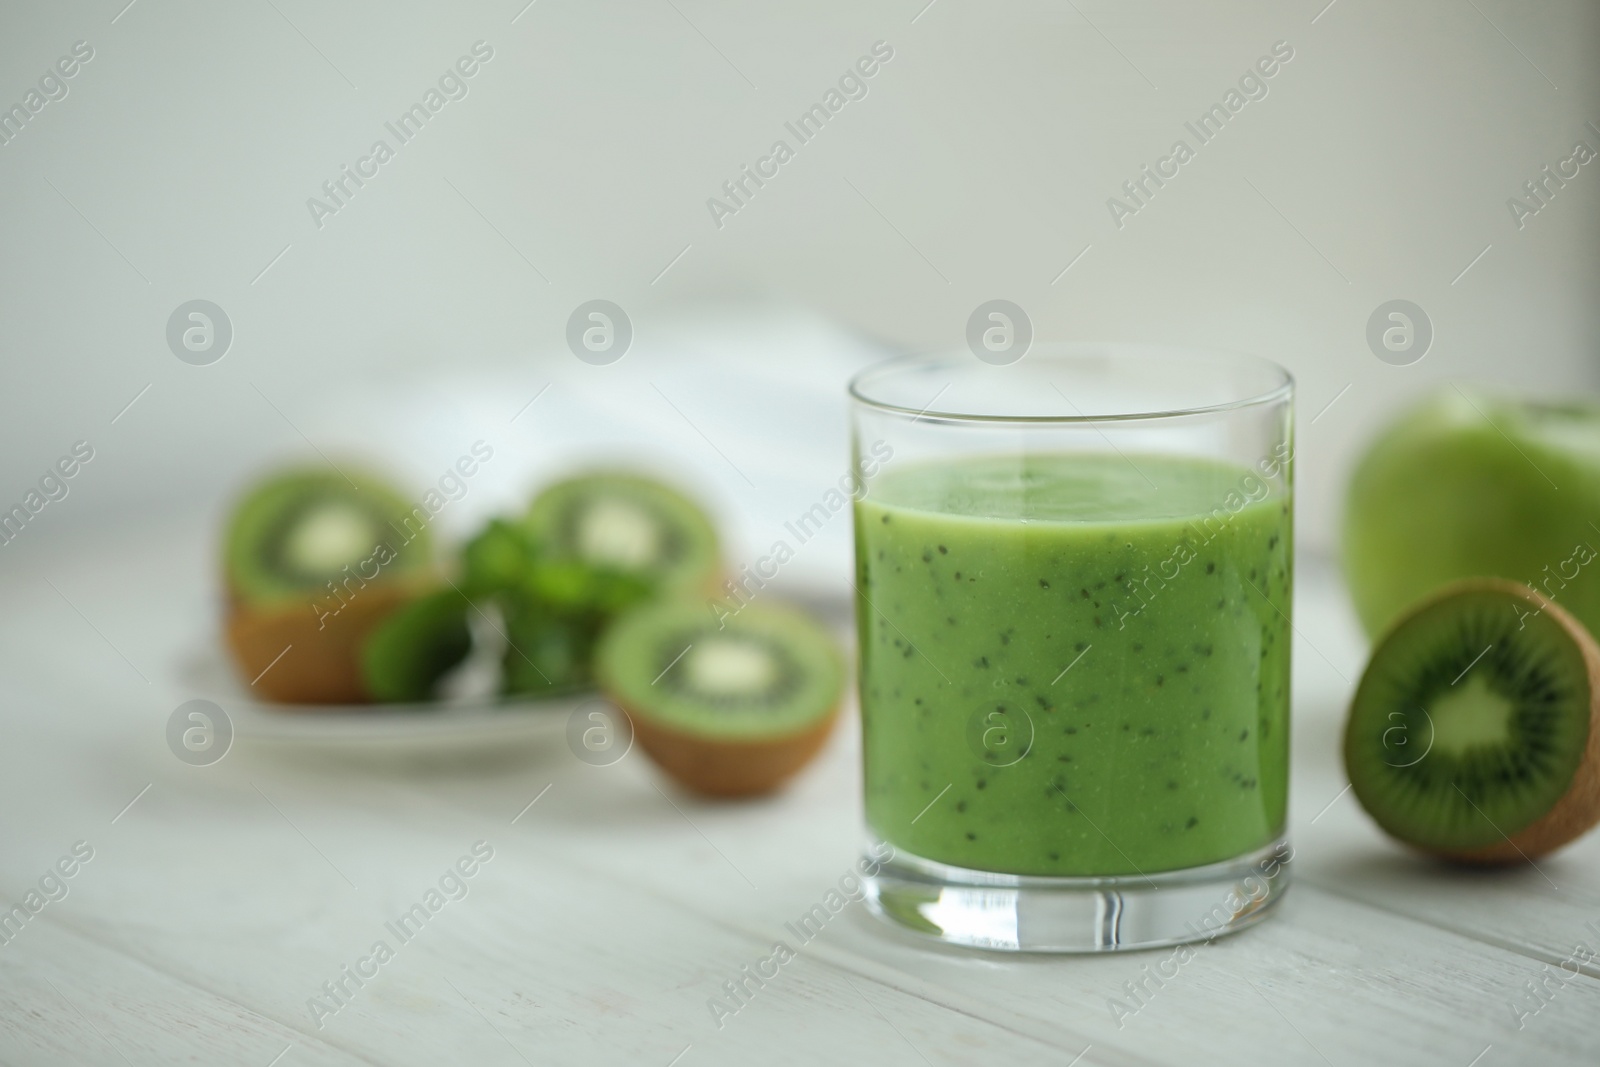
(220, 902)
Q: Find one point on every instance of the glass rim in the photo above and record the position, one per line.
(1062, 353)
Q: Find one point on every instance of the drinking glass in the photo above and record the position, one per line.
(1073, 579)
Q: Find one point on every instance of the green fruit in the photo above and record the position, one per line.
(1468, 485)
(301, 529)
(727, 710)
(407, 654)
(312, 564)
(1475, 732)
(626, 525)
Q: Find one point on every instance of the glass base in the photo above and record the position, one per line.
(1027, 913)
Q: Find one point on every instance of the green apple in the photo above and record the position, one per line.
(1470, 485)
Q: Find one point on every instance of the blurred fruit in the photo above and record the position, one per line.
(313, 561)
(728, 710)
(626, 524)
(1473, 485)
(406, 654)
(286, 653)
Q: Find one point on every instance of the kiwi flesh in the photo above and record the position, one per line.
(728, 710)
(1474, 734)
(406, 654)
(308, 530)
(312, 563)
(626, 524)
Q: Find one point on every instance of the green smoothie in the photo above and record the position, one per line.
(1075, 664)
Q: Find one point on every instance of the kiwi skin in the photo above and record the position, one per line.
(719, 768)
(323, 664)
(1578, 809)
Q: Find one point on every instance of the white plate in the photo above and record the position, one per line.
(463, 726)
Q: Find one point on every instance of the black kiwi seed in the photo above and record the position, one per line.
(943, 551)
(1211, 568)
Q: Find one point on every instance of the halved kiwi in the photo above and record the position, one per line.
(730, 710)
(1475, 732)
(406, 654)
(302, 528)
(312, 562)
(629, 524)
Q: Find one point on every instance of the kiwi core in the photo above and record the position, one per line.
(618, 532)
(328, 538)
(728, 666)
(1471, 714)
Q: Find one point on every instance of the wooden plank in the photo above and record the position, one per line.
(65, 999)
(1329, 967)
(541, 959)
